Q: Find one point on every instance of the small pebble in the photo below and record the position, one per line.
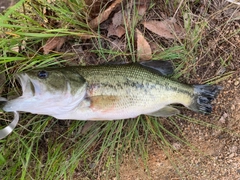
(231, 155)
(92, 165)
(236, 83)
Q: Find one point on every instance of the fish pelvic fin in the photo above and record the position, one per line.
(203, 96)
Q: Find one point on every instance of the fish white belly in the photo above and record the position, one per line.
(115, 114)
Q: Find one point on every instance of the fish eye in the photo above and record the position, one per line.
(42, 74)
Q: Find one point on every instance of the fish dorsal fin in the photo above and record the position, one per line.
(163, 67)
(165, 112)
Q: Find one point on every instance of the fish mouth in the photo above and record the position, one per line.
(29, 86)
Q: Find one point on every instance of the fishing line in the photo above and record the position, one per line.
(7, 130)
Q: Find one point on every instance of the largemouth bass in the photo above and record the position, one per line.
(108, 92)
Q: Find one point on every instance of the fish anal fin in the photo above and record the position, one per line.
(163, 67)
(165, 112)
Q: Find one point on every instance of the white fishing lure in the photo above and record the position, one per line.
(7, 130)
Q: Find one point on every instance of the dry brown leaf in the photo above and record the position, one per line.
(118, 31)
(116, 28)
(123, 19)
(154, 47)
(117, 19)
(53, 43)
(104, 15)
(144, 51)
(142, 7)
(166, 28)
(142, 10)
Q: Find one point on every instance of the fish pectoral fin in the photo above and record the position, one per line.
(104, 103)
(163, 67)
(165, 112)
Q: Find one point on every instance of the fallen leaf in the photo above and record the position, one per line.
(116, 28)
(144, 51)
(53, 43)
(104, 15)
(142, 10)
(118, 31)
(120, 21)
(167, 28)
(154, 47)
(124, 19)
(117, 19)
(142, 7)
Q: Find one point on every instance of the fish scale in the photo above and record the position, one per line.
(134, 81)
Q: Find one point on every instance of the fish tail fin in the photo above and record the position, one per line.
(203, 96)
